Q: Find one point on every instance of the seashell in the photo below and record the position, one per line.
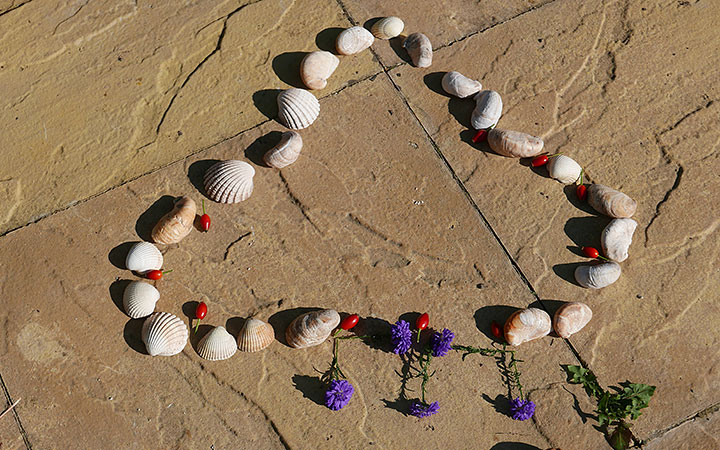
(143, 257)
(598, 275)
(353, 40)
(488, 108)
(139, 299)
(387, 27)
(255, 335)
(459, 85)
(610, 202)
(297, 108)
(229, 181)
(514, 144)
(564, 169)
(316, 68)
(571, 318)
(164, 334)
(617, 237)
(217, 345)
(311, 328)
(419, 48)
(286, 152)
(527, 325)
(176, 224)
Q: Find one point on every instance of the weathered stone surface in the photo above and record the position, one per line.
(701, 433)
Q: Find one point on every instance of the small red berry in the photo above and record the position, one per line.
(422, 322)
(581, 191)
(480, 136)
(349, 322)
(200, 313)
(205, 222)
(590, 252)
(496, 330)
(154, 274)
(539, 161)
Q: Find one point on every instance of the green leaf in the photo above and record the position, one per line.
(620, 437)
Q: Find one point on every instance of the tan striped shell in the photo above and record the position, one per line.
(143, 257)
(387, 27)
(514, 144)
(286, 152)
(229, 181)
(139, 299)
(571, 318)
(297, 108)
(419, 48)
(217, 345)
(164, 334)
(316, 68)
(176, 224)
(597, 276)
(255, 335)
(527, 325)
(353, 40)
(311, 328)
(610, 202)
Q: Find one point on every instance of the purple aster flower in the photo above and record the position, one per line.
(521, 409)
(338, 394)
(420, 409)
(401, 337)
(440, 343)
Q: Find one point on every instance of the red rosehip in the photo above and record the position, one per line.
(422, 322)
(349, 322)
(154, 274)
(539, 161)
(590, 252)
(480, 136)
(205, 222)
(496, 330)
(201, 310)
(581, 192)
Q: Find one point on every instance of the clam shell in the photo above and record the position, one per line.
(217, 345)
(597, 276)
(564, 169)
(164, 334)
(286, 152)
(229, 181)
(297, 108)
(419, 48)
(617, 237)
(176, 224)
(514, 144)
(143, 257)
(610, 202)
(255, 335)
(527, 325)
(311, 328)
(488, 108)
(459, 85)
(571, 318)
(316, 68)
(387, 27)
(353, 40)
(139, 299)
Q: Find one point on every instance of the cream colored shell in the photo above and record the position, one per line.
(387, 27)
(316, 68)
(488, 109)
(311, 328)
(610, 202)
(459, 85)
(143, 257)
(176, 224)
(419, 48)
(139, 299)
(564, 169)
(229, 181)
(527, 325)
(255, 335)
(297, 108)
(597, 276)
(164, 334)
(286, 152)
(617, 237)
(514, 144)
(571, 318)
(353, 40)
(217, 345)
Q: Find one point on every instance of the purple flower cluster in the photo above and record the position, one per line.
(420, 409)
(521, 409)
(338, 394)
(441, 343)
(401, 337)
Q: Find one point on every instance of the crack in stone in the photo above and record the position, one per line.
(70, 17)
(14, 8)
(702, 414)
(678, 177)
(296, 201)
(227, 249)
(15, 414)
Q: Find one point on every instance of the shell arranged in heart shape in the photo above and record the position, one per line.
(617, 237)
(564, 169)
(217, 345)
(353, 40)
(387, 27)
(571, 318)
(255, 335)
(311, 328)
(597, 276)
(316, 68)
(164, 334)
(419, 48)
(297, 108)
(514, 144)
(286, 152)
(143, 257)
(459, 85)
(610, 202)
(229, 181)
(176, 224)
(139, 299)
(488, 109)
(527, 325)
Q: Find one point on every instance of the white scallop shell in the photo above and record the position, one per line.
(255, 335)
(143, 257)
(597, 276)
(286, 152)
(139, 299)
(514, 144)
(610, 202)
(387, 27)
(297, 108)
(459, 85)
(488, 109)
(527, 325)
(353, 40)
(571, 318)
(617, 237)
(564, 169)
(164, 334)
(176, 224)
(419, 48)
(311, 328)
(229, 181)
(316, 68)
(217, 345)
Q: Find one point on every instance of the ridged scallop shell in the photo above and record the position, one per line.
(617, 237)
(564, 169)
(143, 257)
(217, 345)
(597, 276)
(164, 334)
(139, 299)
(297, 108)
(176, 224)
(387, 27)
(229, 181)
(255, 336)
(419, 48)
(488, 109)
(571, 318)
(316, 68)
(527, 325)
(353, 40)
(610, 202)
(514, 144)
(311, 328)
(286, 152)
(459, 85)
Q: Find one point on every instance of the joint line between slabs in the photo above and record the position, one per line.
(15, 415)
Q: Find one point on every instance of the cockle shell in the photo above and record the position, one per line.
(164, 334)
(143, 257)
(217, 345)
(488, 108)
(255, 335)
(617, 237)
(139, 299)
(176, 224)
(286, 152)
(564, 169)
(527, 325)
(571, 318)
(229, 181)
(459, 85)
(311, 328)
(297, 108)
(514, 144)
(610, 202)
(353, 40)
(387, 27)
(597, 276)
(419, 48)
(316, 68)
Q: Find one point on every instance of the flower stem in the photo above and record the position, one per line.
(425, 364)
